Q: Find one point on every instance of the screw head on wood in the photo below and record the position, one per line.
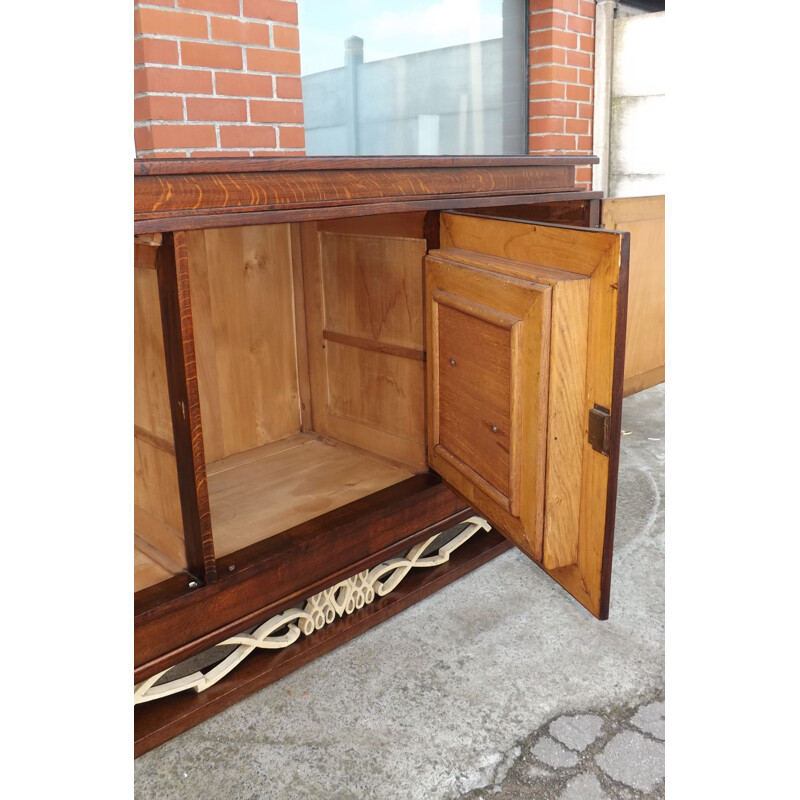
(452, 362)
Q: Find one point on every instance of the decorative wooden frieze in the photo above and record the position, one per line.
(283, 630)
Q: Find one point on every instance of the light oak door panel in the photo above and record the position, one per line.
(487, 339)
(548, 482)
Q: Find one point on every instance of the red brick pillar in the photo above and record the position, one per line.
(217, 77)
(561, 41)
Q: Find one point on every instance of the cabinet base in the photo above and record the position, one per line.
(158, 721)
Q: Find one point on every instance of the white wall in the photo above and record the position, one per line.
(637, 138)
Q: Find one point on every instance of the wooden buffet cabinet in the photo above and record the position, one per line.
(354, 378)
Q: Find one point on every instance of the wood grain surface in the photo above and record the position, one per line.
(157, 523)
(566, 401)
(343, 284)
(173, 624)
(488, 345)
(190, 192)
(601, 257)
(644, 219)
(244, 327)
(364, 311)
(210, 166)
(157, 722)
(172, 262)
(261, 492)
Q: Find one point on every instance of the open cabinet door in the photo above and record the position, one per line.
(525, 343)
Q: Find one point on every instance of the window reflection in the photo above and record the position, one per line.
(439, 77)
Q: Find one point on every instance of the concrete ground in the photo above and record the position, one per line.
(498, 686)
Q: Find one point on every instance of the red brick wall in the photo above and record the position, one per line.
(561, 41)
(217, 77)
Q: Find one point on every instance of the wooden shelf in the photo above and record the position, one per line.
(264, 491)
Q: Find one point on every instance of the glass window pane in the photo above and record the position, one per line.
(427, 77)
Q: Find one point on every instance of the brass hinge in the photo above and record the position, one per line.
(600, 429)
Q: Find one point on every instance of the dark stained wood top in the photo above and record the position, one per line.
(175, 194)
(199, 166)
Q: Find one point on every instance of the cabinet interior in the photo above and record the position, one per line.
(309, 344)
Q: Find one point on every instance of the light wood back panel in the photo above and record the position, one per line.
(644, 219)
(157, 520)
(374, 388)
(244, 327)
(364, 309)
(372, 287)
(409, 225)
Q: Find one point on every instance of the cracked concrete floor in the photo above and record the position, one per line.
(615, 752)
(500, 685)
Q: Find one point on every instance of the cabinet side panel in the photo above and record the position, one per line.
(315, 321)
(158, 527)
(156, 483)
(157, 521)
(151, 399)
(243, 306)
(172, 267)
(643, 218)
(301, 328)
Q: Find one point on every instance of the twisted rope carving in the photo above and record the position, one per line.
(320, 610)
